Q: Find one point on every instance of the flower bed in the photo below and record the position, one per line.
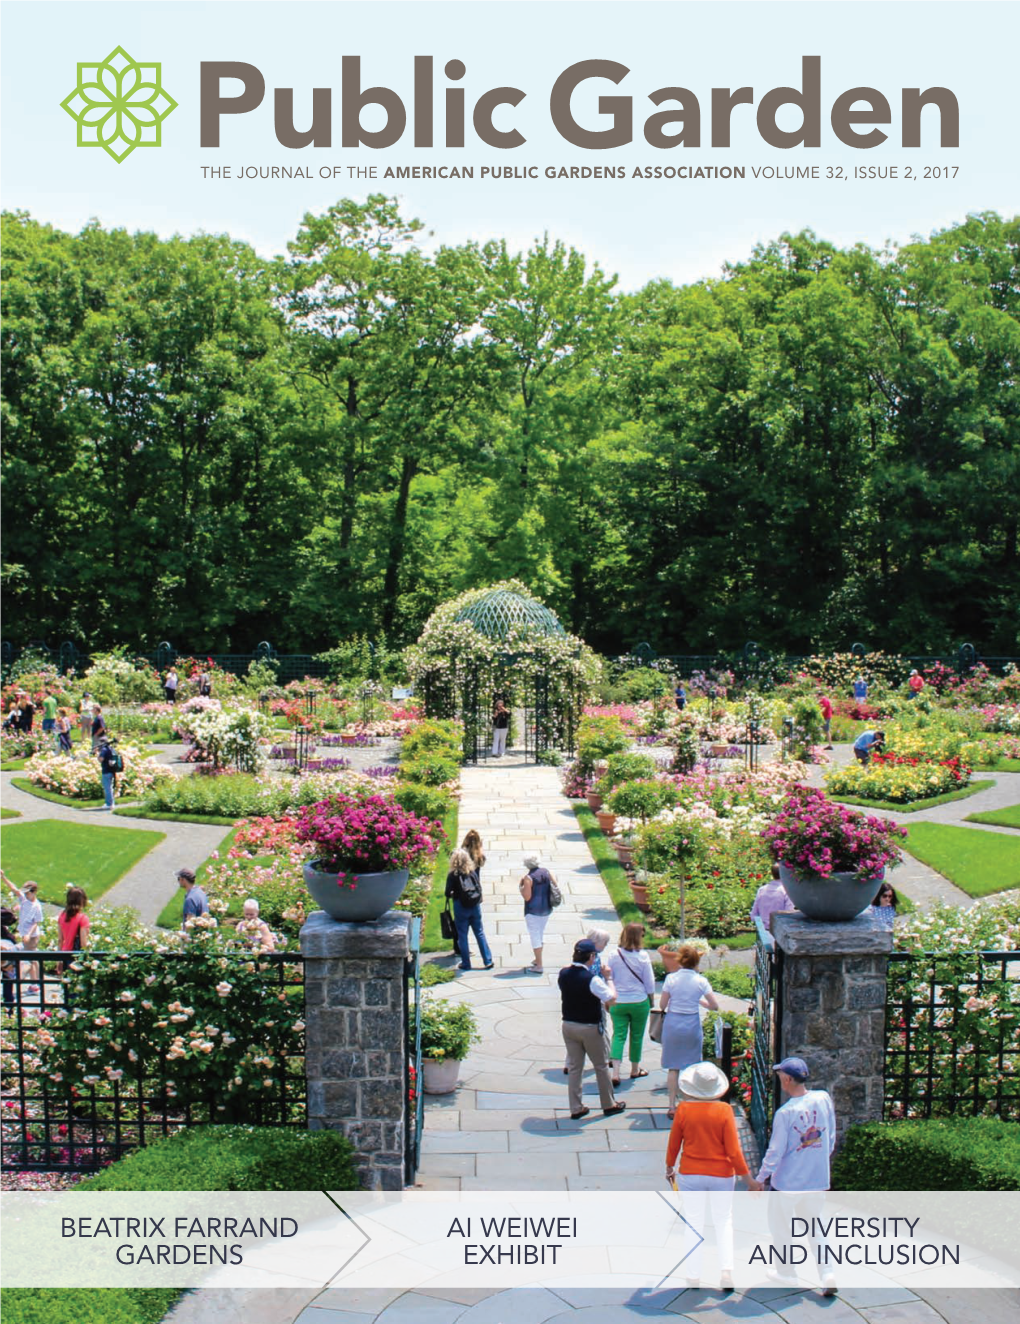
(897, 779)
(79, 775)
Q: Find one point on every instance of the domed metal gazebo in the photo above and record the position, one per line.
(499, 610)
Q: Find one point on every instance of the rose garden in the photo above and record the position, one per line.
(336, 798)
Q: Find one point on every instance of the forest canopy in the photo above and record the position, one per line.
(203, 445)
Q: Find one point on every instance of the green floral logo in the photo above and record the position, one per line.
(119, 104)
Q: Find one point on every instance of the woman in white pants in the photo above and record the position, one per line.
(500, 729)
(704, 1135)
(536, 889)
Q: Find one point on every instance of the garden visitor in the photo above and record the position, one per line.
(860, 690)
(111, 763)
(770, 898)
(825, 703)
(536, 889)
(704, 1136)
(583, 995)
(630, 968)
(472, 843)
(500, 729)
(98, 726)
(205, 685)
(7, 967)
(600, 939)
(681, 697)
(195, 900)
(255, 930)
(866, 743)
(13, 719)
(883, 908)
(796, 1163)
(30, 918)
(170, 686)
(85, 716)
(683, 994)
(64, 730)
(49, 721)
(73, 923)
(26, 714)
(915, 684)
(463, 885)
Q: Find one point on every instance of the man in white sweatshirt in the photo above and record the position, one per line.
(796, 1164)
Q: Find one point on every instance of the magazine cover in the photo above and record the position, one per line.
(510, 663)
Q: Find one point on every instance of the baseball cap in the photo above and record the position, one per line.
(585, 948)
(793, 1066)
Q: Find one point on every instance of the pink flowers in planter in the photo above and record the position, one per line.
(812, 835)
(366, 834)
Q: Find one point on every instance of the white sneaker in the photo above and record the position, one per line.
(829, 1285)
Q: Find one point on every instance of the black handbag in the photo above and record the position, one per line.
(446, 924)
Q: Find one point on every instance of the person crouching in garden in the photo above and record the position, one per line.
(583, 997)
(463, 885)
(630, 968)
(704, 1135)
(868, 743)
(684, 993)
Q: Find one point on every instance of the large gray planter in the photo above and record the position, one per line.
(841, 897)
(370, 898)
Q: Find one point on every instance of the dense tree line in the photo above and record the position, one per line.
(817, 446)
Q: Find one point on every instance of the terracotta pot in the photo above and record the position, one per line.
(717, 751)
(370, 897)
(607, 821)
(640, 894)
(347, 740)
(594, 801)
(625, 854)
(841, 897)
(440, 1077)
(671, 960)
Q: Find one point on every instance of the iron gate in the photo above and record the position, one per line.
(767, 1042)
(414, 1091)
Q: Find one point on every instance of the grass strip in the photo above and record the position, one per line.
(54, 797)
(913, 806)
(10, 813)
(611, 871)
(978, 862)
(1007, 816)
(13, 765)
(172, 914)
(1003, 765)
(432, 939)
(59, 854)
(157, 816)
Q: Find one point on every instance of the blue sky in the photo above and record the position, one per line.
(640, 229)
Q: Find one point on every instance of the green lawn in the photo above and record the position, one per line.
(23, 784)
(896, 807)
(10, 813)
(978, 862)
(432, 939)
(1008, 816)
(171, 915)
(1003, 765)
(56, 854)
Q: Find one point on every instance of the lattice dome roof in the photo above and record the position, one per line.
(496, 612)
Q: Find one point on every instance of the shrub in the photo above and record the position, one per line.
(733, 981)
(432, 974)
(80, 777)
(234, 795)
(448, 1029)
(597, 738)
(812, 835)
(88, 1305)
(235, 1158)
(367, 834)
(953, 1154)
(116, 678)
(622, 768)
(433, 736)
(426, 801)
(430, 769)
(642, 799)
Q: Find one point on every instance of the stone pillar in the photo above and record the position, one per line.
(356, 1038)
(831, 995)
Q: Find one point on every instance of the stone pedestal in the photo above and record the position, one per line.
(356, 1038)
(831, 994)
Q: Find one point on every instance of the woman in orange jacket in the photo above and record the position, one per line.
(704, 1136)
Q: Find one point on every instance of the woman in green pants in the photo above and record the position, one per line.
(631, 970)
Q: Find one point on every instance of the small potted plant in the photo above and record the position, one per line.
(448, 1029)
(831, 859)
(669, 954)
(366, 848)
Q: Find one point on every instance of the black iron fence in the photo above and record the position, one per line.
(62, 1112)
(953, 1034)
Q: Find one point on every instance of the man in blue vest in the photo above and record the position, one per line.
(584, 996)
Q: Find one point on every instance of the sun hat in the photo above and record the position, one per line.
(704, 1080)
(793, 1066)
(532, 862)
